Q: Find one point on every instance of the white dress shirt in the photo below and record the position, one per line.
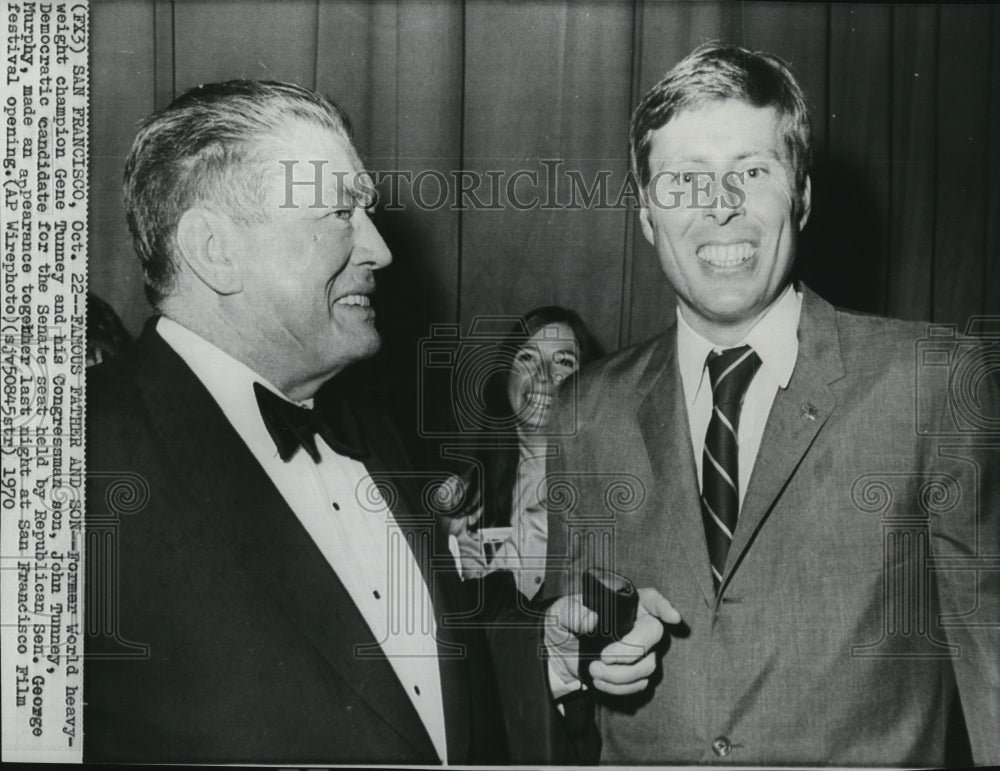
(775, 339)
(346, 518)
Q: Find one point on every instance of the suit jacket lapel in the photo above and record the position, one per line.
(663, 422)
(250, 517)
(796, 417)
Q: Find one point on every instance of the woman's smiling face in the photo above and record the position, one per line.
(540, 366)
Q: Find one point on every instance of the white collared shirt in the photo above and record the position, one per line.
(775, 339)
(355, 531)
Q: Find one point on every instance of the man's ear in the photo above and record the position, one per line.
(645, 223)
(805, 203)
(205, 243)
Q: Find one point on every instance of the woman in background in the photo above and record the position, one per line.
(501, 534)
(106, 335)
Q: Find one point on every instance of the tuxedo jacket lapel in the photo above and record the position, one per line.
(663, 422)
(249, 516)
(797, 416)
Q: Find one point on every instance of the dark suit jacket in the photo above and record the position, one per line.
(250, 637)
(861, 597)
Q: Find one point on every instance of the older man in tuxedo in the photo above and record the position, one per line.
(815, 491)
(270, 603)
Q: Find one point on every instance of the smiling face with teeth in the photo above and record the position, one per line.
(539, 367)
(723, 214)
(307, 271)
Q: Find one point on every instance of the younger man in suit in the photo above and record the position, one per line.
(804, 496)
(282, 606)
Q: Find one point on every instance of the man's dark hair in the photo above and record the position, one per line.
(203, 148)
(713, 72)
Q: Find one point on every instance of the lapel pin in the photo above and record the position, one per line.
(809, 411)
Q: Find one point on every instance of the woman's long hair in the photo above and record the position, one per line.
(500, 454)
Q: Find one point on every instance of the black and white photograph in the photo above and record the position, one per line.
(525, 383)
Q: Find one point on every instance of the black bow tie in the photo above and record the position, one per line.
(292, 426)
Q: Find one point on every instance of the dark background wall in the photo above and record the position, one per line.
(905, 103)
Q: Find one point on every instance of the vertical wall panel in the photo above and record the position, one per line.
(849, 238)
(397, 69)
(991, 293)
(797, 32)
(426, 134)
(163, 52)
(346, 37)
(122, 86)
(906, 191)
(546, 82)
(914, 127)
(258, 39)
(963, 113)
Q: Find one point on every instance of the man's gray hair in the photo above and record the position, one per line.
(202, 149)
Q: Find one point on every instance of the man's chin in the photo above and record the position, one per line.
(354, 350)
(730, 309)
(368, 348)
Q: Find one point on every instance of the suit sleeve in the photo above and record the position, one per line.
(965, 546)
(557, 556)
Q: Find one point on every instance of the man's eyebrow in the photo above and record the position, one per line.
(344, 194)
(366, 196)
(770, 152)
(687, 159)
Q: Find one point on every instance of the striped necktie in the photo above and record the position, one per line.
(731, 372)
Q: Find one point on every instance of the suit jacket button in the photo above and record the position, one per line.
(721, 746)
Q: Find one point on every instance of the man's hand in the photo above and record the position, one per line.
(625, 666)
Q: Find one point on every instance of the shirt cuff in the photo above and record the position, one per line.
(453, 548)
(559, 687)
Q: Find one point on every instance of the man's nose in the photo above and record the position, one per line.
(726, 199)
(369, 247)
